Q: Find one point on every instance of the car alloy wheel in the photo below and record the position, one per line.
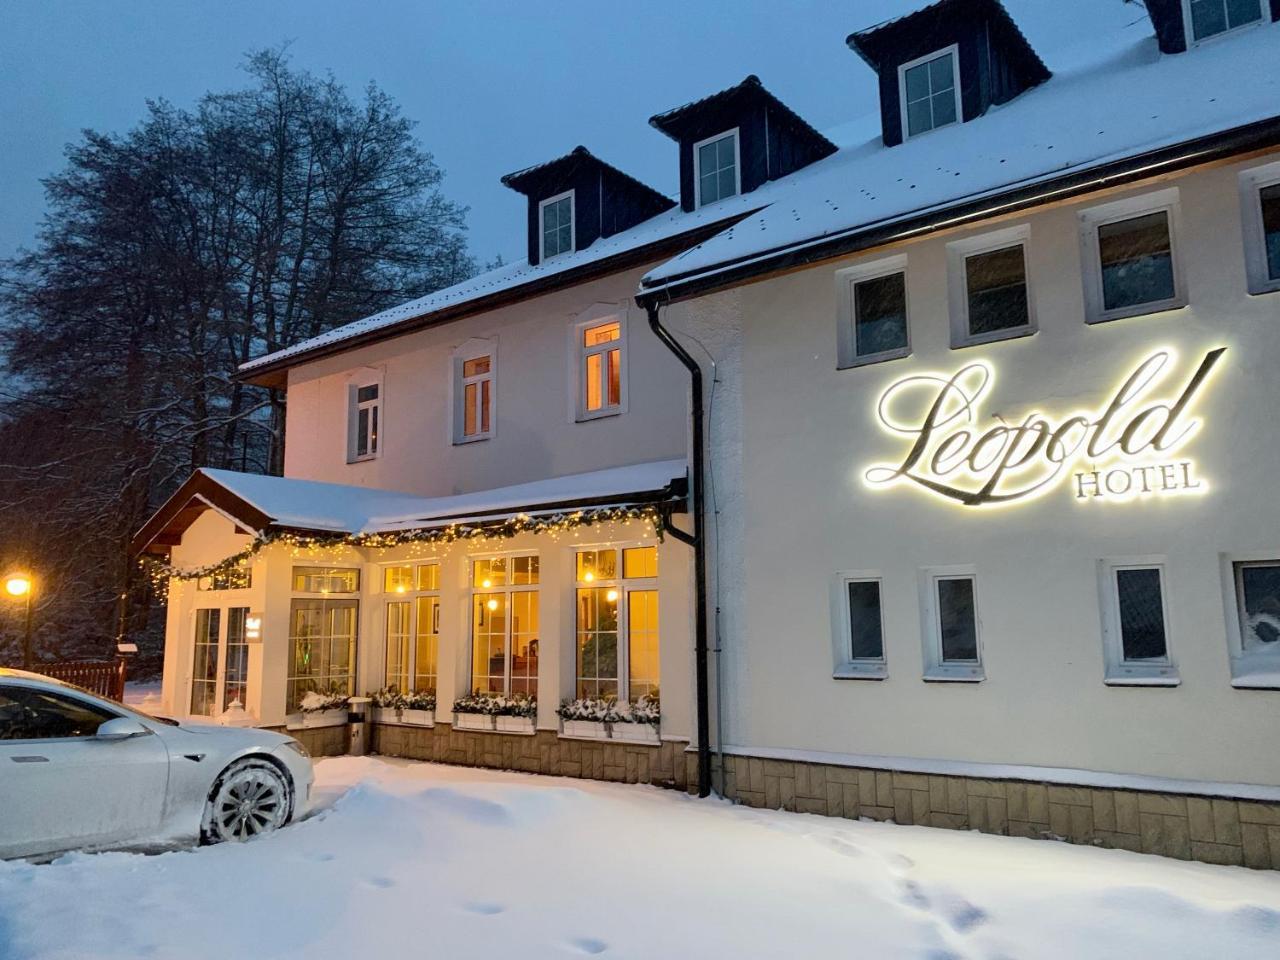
(251, 798)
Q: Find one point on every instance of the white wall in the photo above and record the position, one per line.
(808, 434)
(536, 436)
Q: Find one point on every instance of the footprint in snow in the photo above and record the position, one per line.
(319, 857)
(382, 883)
(484, 909)
(964, 916)
(844, 846)
(588, 945)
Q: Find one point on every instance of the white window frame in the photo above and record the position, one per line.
(573, 225)
(1252, 183)
(625, 587)
(846, 666)
(1257, 671)
(355, 384)
(935, 668)
(1129, 208)
(737, 166)
(954, 50)
(356, 595)
(508, 590)
(596, 317)
(847, 279)
(410, 596)
(1133, 673)
(1194, 41)
(473, 350)
(958, 254)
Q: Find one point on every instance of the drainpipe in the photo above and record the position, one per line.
(698, 542)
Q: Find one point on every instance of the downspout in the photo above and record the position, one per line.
(698, 542)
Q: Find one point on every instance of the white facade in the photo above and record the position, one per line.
(793, 437)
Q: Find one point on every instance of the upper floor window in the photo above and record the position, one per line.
(1260, 215)
(988, 290)
(872, 300)
(364, 422)
(556, 225)
(475, 368)
(929, 89)
(600, 347)
(1208, 18)
(1130, 258)
(715, 168)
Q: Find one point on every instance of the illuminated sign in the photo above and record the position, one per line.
(253, 628)
(1123, 449)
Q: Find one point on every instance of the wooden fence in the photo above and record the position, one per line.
(103, 677)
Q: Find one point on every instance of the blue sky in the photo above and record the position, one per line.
(493, 86)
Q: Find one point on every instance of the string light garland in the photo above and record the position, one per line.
(315, 545)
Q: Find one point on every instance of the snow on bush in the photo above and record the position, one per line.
(315, 701)
(608, 710)
(518, 706)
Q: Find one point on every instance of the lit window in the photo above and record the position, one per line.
(988, 290)
(953, 650)
(1131, 264)
(363, 427)
(397, 579)
(600, 369)
(859, 627)
(204, 663)
(237, 578)
(930, 92)
(716, 168)
(474, 371)
(412, 627)
(1134, 621)
(1255, 654)
(1260, 216)
(1208, 18)
(322, 636)
(872, 303)
(557, 225)
(617, 623)
(326, 580)
(505, 626)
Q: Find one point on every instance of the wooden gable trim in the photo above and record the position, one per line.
(175, 516)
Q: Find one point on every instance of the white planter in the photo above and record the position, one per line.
(593, 729)
(385, 715)
(515, 724)
(418, 718)
(472, 721)
(325, 718)
(636, 732)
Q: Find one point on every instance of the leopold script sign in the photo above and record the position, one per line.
(1122, 449)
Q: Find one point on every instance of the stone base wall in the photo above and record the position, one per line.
(663, 764)
(320, 741)
(1212, 829)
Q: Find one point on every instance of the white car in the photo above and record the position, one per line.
(79, 772)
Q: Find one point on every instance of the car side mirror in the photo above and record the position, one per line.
(121, 728)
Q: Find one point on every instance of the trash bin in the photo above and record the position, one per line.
(358, 726)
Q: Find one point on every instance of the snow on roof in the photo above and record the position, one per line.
(336, 507)
(1119, 98)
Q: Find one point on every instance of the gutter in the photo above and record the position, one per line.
(1252, 137)
(698, 542)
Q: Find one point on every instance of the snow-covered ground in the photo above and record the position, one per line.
(418, 860)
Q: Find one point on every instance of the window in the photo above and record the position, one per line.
(474, 370)
(204, 662)
(1260, 215)
(872, 303)
(1254, 616)
(504, 626)
(617, 623)
(363, 422)
(715, 168)
(600, 346)
(1131, 266)
(556, 225)
(322, 633)
(952, 628)
(412, 626)
(1208, 18)
(235, 679)
(237, 578)
(858, 624)
(988, 289)
(219, 663)
(1134, 623)
(27, 714)
(929, 89)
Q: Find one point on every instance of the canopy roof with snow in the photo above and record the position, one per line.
(257, 503)
(1115, 112)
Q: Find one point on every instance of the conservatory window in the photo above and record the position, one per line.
(1135, 623)
(322, 633)
(220, 661)
(1209, 18)
(715, 173)
(557, 233)
(617, 623)
(326, 579)
(953, 648)
(412, 626)
(505, 626)
(237, 578)
(929, 89)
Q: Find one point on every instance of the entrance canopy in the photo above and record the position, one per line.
(257, 503)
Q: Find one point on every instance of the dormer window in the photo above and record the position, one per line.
(716, 175)
(929, 89)
(556, 223)
(1208, 18)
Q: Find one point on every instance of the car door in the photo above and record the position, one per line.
(60, 787)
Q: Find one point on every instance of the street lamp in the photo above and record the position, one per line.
(22, 585)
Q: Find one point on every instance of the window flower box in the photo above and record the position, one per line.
(418, 718)
(591, 729)
(472, 721)
(636, 732)
(514, 724)
(333, 717)
(385, 715)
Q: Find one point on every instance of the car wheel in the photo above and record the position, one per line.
(250, 798)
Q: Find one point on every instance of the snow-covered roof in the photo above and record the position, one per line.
(257, 502)
(1118, 98)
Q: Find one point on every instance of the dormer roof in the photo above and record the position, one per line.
(547, 179)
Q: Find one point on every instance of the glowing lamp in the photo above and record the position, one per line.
(17, 584)
(612, 596)
(492, 604)
(588, 576)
